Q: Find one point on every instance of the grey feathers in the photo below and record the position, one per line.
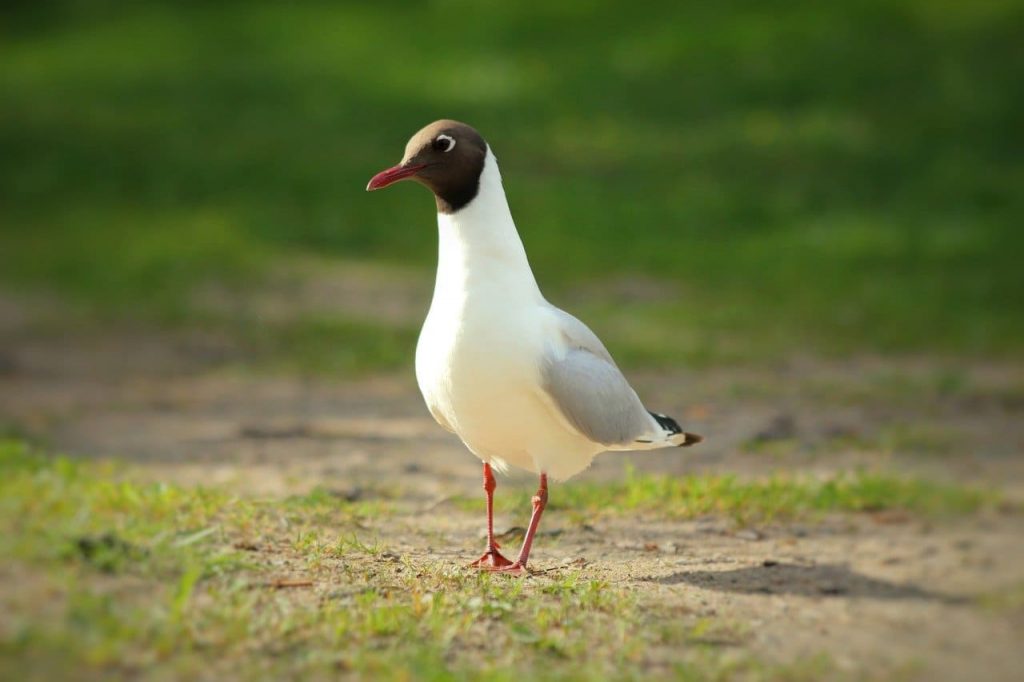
(590, 391)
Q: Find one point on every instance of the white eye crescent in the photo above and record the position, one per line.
(444, 143)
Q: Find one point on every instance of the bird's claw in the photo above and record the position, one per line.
(491, 560)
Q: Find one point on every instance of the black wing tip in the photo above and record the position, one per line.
(667, 423)
(672, 426)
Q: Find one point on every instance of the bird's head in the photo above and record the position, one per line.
(445, 156)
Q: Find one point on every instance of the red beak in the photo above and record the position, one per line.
(393, 175)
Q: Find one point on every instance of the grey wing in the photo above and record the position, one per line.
(589, 390)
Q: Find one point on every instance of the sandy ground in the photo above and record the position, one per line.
(883, 593)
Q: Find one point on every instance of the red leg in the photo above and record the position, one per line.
(540, 500)
(492, 558)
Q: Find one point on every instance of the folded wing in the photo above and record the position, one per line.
(588, 389)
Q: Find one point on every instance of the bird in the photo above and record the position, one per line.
(521, 382)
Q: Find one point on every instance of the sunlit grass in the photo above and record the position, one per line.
(59, 509)
(779, 497)
(326, 345)
(834, 178)
(116, 577)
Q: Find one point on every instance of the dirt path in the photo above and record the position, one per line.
(165, 399)
(877, 595)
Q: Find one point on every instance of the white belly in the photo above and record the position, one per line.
(479, 353)
(479, 374)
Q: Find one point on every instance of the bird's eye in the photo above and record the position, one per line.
(444, 143)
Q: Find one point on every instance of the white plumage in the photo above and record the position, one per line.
(521, 382)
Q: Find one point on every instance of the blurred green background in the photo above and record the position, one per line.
(755, 179)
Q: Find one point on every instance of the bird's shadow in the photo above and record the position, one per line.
(828, 580)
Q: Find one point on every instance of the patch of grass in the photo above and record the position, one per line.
(128, 263)
(110, 579)
(905, 388)
(925, 439)
(832, 177)
(936, 440)
(326, 345)
(772, 447)
(760, 501)
(56, 509)
(302, 345)
(1008, 599)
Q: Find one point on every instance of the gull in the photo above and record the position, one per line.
(521, 382)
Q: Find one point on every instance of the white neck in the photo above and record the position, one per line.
(479, 246)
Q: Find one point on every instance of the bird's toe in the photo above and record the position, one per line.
(491, 560)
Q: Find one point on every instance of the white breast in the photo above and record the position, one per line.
(477, 357)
